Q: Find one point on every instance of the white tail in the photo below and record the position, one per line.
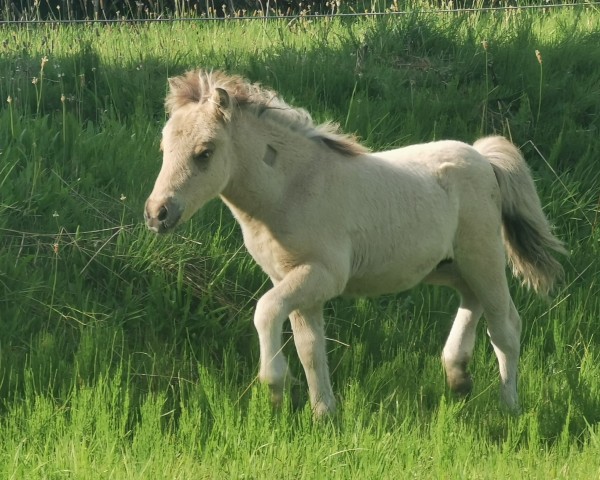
(528, 238)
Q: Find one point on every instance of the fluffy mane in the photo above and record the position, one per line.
(198, 86)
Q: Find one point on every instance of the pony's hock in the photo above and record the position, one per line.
(323, 216)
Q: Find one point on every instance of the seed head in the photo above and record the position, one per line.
(538, 55)
(485, 45)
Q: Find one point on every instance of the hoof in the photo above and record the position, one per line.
(276, 395)
(321, 412)
(323, 408)
(458, 378)
(461, 384)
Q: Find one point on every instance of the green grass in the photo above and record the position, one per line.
(127, 355)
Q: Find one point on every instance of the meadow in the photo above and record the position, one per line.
(129, 355)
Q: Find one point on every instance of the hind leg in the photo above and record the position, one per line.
(486, 277)
(505, 334)
(459, 346)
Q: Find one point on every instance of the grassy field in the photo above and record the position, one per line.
(127, 355)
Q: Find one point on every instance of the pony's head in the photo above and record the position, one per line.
(199, 159)
(196, 157)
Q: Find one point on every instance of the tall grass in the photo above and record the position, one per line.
(126, 355)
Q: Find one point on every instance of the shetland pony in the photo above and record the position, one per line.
(323, 216)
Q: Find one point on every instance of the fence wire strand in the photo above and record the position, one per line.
(308, 16)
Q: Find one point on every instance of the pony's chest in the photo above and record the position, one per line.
(268, 251)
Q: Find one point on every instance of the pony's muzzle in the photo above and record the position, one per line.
(161, 216)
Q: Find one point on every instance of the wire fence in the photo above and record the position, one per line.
(291, 17)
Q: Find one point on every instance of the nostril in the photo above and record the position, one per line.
(162, 214)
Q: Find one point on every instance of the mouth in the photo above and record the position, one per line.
(158, 227)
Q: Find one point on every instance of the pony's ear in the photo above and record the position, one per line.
(223, 102)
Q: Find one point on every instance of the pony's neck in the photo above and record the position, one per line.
(267, 158)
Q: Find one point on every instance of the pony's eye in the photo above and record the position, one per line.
(201, 158)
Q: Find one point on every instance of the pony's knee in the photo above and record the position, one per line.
(267, 313)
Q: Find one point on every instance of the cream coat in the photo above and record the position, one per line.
(322, 216)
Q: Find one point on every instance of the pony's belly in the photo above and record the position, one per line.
(377, 274)
(373, 285)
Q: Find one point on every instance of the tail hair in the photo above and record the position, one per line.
(527, 234)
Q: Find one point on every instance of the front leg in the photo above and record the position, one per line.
(303, 288)
(268, 320)
(309, 337)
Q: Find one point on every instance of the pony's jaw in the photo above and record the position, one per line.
(162, 215)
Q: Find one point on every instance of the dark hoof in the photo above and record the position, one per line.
(462, 386)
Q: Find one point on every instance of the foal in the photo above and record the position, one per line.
(322, 216)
